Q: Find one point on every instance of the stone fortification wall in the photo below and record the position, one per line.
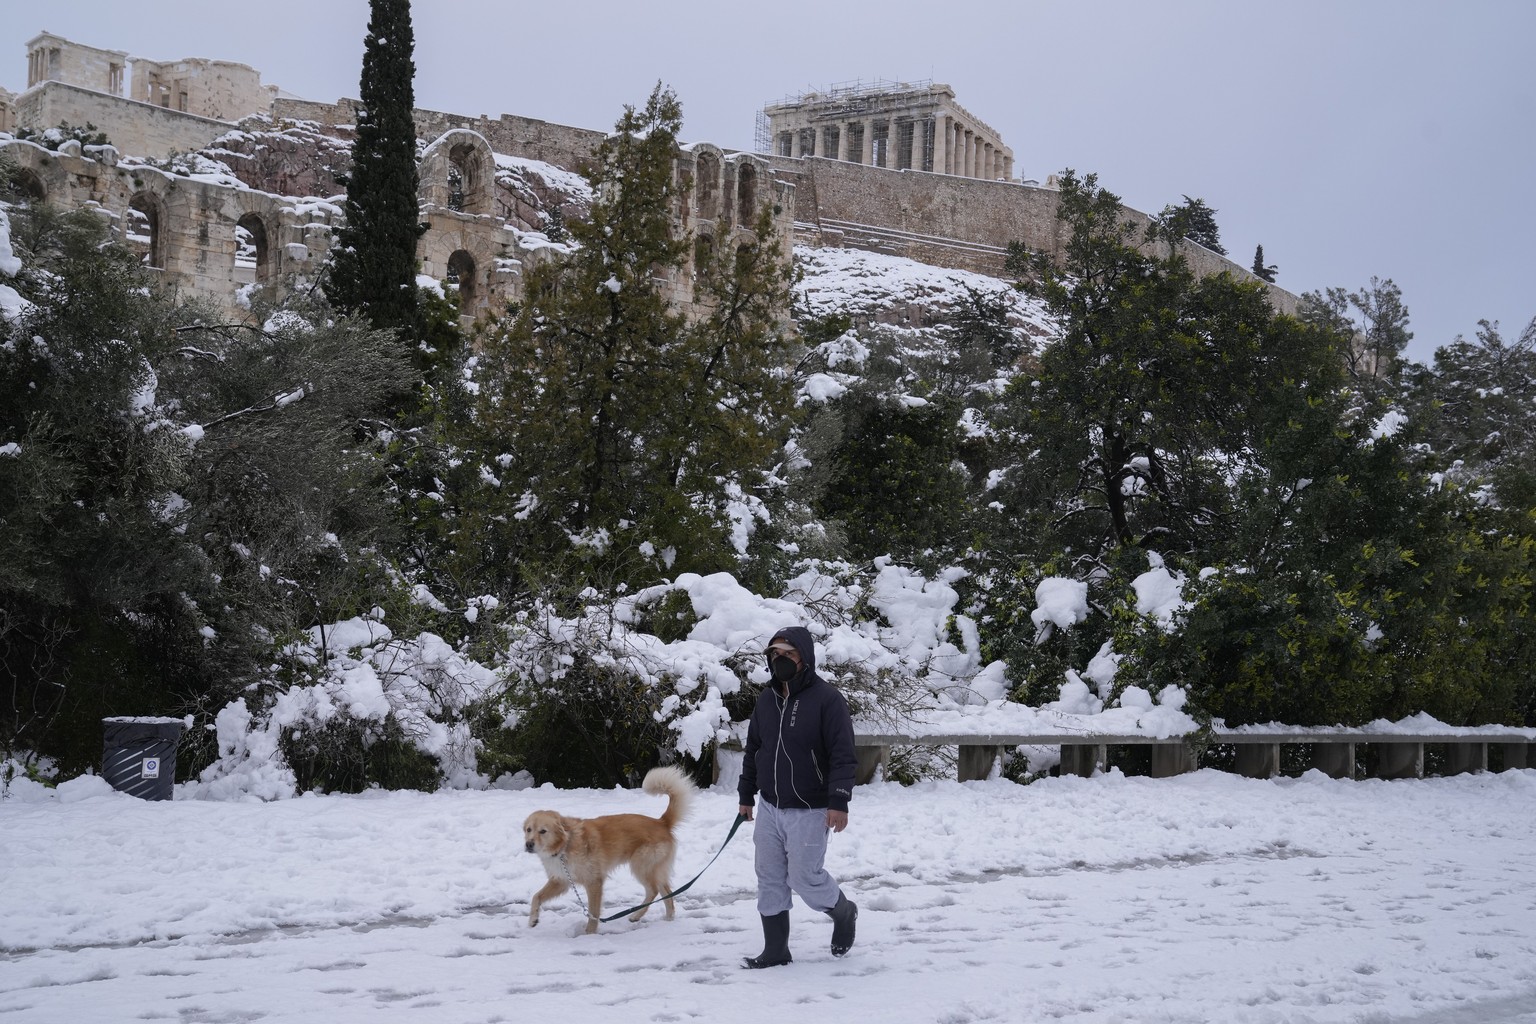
(528, 137)
(964, 223)
(139, 129)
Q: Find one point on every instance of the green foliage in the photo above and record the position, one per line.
(587, 721)
(1478, 402)
(52, 138)
(1336, 570)
(186, 498)
(626, 425)
(184, 493)
(1193, 220)
(347, 756)
(373, 270)
(1159, 386)
(894, 482)
(93, 576)
(285, 481)
(1261, 270)
(981, 323)
(1372, 323)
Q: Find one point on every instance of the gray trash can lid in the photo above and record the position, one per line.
(126, 729)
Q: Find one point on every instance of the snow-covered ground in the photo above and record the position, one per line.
(871, 285)
(1206, 897)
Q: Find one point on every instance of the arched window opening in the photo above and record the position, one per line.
(251, 251)
(466, 182)
(29, 185)
(685, 196)
(709, 186)
(461, 276)
(143, 230)
(746, 196)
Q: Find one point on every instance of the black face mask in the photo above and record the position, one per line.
(784, 669)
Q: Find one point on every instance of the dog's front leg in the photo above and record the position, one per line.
(552, 888)
(594, 904)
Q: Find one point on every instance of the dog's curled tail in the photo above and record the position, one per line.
(670, 780)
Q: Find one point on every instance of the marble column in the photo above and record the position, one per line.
(940, 143)
(868, 157)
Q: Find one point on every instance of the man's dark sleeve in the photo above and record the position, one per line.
(746, 786)
(837, 733)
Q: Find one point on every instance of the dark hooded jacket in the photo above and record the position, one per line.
(799, 749)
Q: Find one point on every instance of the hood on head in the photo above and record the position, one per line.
(800, 638)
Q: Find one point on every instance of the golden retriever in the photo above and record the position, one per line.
(585, 851)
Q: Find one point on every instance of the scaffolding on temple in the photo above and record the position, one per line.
(762, 134)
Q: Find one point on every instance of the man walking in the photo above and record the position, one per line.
(800, 760)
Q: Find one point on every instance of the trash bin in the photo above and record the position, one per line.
(139, 755)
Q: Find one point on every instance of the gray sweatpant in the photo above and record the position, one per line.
(791, 846)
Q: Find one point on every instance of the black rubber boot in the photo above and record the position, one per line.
(775, 943)
(843, 916)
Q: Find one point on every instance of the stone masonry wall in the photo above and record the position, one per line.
(964, 223)
(528, 137)
(219, 89)
(141, 129)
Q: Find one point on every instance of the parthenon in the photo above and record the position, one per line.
(898, 126)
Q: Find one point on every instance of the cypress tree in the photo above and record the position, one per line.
(1261, 270)
(374, 268)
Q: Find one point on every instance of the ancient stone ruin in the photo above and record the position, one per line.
(893, 125)
(226, 187)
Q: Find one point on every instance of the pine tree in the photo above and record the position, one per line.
(1155, 371)
(1373, 322)
(624, 423)
(374, 268)
(1261, 270)
(1195, 221)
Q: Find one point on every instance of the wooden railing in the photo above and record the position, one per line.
(1397, 755)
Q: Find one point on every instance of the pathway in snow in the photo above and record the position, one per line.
(1205, 898)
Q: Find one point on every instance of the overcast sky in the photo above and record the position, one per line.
(1350, 138)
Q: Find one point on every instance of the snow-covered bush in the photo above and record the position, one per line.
(672, 670)
(369, 708)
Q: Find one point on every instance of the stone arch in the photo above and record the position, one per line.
(463, 274)
(30, 184)
(458, 173)
(144, 228)
(40, 173)
(707, 183)
(252, 247)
